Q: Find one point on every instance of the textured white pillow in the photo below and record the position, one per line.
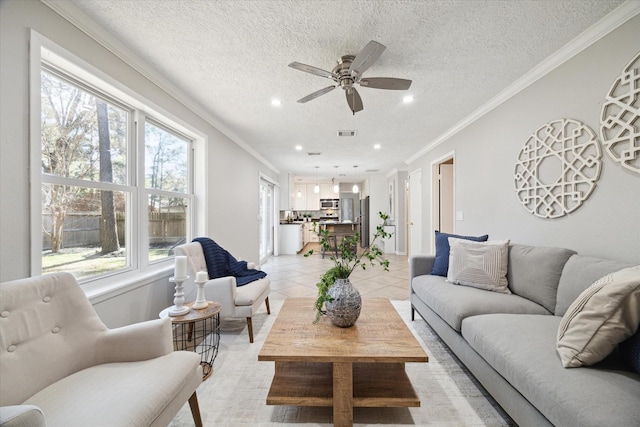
(603, 315)
(482, 265)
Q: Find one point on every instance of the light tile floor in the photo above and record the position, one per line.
(296, 276)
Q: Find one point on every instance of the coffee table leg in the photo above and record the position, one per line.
(342, 394)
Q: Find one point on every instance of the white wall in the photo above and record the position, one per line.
(232, 173)
(607, 225)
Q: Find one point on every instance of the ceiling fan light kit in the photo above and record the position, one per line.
(348, 72)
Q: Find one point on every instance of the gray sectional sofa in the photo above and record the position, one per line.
(508, 342)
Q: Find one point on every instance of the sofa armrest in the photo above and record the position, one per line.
(420, 265)
(222, 290)
(21, 416)
(132, 343)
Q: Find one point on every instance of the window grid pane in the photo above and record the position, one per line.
(166, 160)
(83, 238)
(167, 225)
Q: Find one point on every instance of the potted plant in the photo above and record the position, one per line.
(335, 291)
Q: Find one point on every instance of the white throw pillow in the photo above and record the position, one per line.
(603, 315)
(481, 265)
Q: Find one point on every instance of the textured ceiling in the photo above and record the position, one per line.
(231, 58)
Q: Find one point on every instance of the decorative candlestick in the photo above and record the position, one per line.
(201, 301)
(180, 270)
(178, 308)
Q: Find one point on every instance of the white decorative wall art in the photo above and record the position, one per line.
(620, 118)
(557, 168)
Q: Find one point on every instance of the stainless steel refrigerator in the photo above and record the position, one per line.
(364, 222)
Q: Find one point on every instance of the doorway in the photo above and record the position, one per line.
(443, 195)
(267, 219)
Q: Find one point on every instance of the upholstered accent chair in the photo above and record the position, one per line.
(61, 366)
(237, 301)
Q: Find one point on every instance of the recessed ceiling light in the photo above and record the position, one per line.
(407, 99)
(276, 102)
(299, 147)
(376, 147)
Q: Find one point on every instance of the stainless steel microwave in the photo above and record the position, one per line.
(329, 203)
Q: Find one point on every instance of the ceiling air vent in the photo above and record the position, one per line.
(314, 153)
(372, 170)
(347, 132)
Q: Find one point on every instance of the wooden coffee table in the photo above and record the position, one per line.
(324, 365)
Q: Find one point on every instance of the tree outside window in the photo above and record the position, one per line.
(87, 196)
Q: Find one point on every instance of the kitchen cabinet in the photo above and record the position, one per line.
(291, 237)
(300, 203)
(313, 198)
(312, 236)
(326, 192)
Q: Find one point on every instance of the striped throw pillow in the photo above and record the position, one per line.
(481, 265)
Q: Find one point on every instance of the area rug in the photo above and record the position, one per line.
(235, 394)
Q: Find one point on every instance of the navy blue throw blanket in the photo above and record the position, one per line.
(220, 263)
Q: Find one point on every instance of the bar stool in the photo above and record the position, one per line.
(333, 244)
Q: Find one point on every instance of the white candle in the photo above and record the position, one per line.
(181, 267)
(202, 276)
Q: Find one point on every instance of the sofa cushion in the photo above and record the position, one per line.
(441, 263)
(521, 348)
(481, 265)
(604, 315)
(534, 272)
(107, 394)
(578, 274)
(454, 303)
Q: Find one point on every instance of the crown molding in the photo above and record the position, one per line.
(84, 23)
(609, 23)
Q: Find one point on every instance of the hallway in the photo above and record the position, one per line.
(296, 276)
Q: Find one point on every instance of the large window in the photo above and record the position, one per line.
(115, 179)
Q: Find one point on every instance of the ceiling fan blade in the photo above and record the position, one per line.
(313, 70)
(367, 56)
(316, 94)
(354, 100)
(385, 83)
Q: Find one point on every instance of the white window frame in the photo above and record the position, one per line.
(141, 272)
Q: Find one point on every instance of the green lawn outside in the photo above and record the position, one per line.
(87, 262)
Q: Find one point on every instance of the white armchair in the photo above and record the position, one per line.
(236, 301)
(60, 365)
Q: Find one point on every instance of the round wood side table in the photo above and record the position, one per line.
(197, 331)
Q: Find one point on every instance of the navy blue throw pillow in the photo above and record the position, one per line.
(630, 350)
(441, 264)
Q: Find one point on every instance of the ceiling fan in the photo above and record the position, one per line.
(348, 73)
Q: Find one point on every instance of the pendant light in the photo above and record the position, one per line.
(355, 188)
(336, 187)
(316, 189)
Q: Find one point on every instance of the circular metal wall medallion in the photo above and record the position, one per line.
(620, 118)
(557, 168)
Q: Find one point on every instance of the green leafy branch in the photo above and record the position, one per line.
(347, 260)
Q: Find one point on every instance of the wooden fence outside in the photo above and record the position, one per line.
(83, 229)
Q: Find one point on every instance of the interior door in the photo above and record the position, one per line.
(266, 217)
(415, 207)
(445, 214)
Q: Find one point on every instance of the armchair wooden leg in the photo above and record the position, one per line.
(250, 325)
(195, 409)
(266, 301)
